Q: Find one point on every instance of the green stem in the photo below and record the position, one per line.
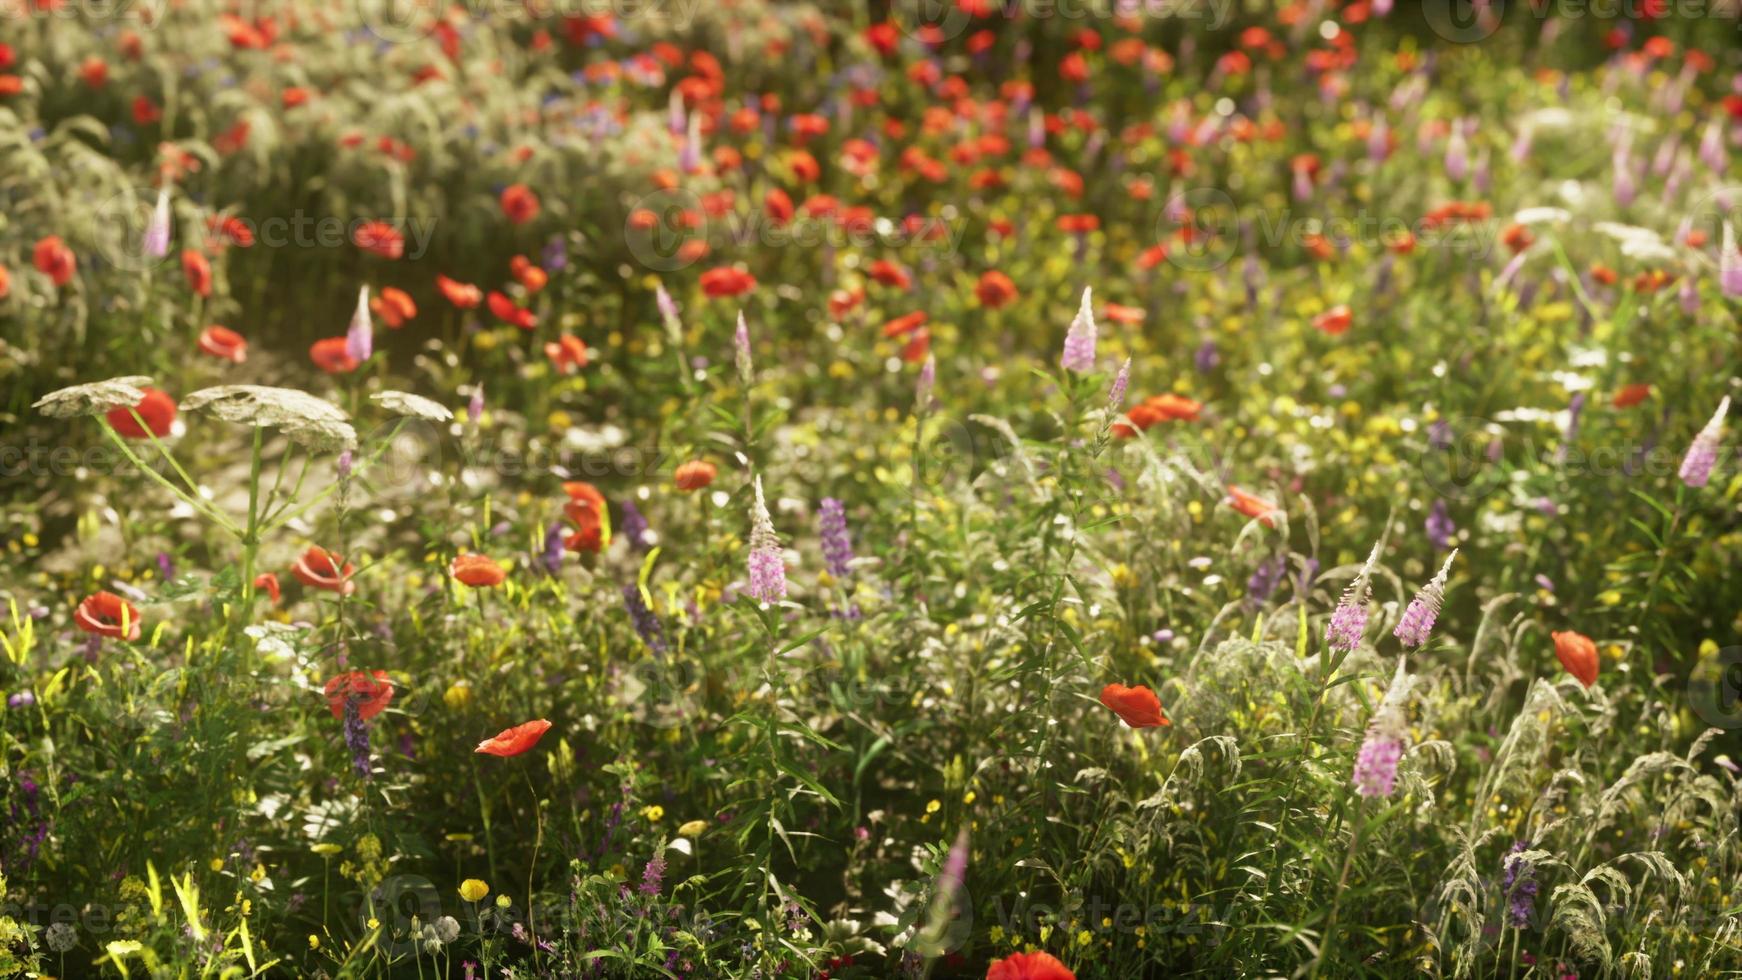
(194, 502)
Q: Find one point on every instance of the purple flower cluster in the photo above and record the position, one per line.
(357, 738)
(1376, 765)
(837, 542)
(1439, 525)
(647, 625)
(1417, 622)
(1519, 885)
(652, 875)
(766, 567)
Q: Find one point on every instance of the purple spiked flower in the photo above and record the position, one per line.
(1376, 763)
(1116, 394)
(1730, 265)
(360, 338)
(475, 406)
(928, 375)
(647, 625)
(157, 231)
(837, 543)
(1417, 622)
(1703, 451)
(741, 345)
(767, 568)
(357, 738)
(1349, 620)
(1079, 350)
(1519, 885)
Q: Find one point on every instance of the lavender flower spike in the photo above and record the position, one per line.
(1730, 265)
(837, 543)
(360, 338)
(1418, 619)
(928, 376)
(1703, 451)
(741, 343)
(157, 231)
(1079, 352)
(1376, 764)
(1116, 394)
(1349, 620)
(475, 407)
(767, 568)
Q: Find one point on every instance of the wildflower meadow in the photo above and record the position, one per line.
(1006, 489)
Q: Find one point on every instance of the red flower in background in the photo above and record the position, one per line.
(371, 690)
(333, 355)
(198, 272)
(156, 408)
(527, 274)
(586, 510)
(145, 111)
(53, 259)
(1250, 506)
(477, 571)
(1029, 966)
(1334, 321)
(508, 311)
(513, 741)
(1136, 706)
(231, 230)
(1631, 395)
(5, 282)
(725, 281)
(268, 583)
(519, 203)
(777, 204)
(694, 475)
(394, 307)
(94, 72)
(567, 353)
(463, 295)
(321, 569)
(379, 238)
(107, 614)
(995, 290)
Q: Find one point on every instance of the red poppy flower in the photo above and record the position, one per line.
(371, 690)
(694, 475)
(1123, 314)
(394, 307)
(107, 614)
(1335, 320)
(293, 97)
(145, 111)
(463, 295)
(1137, 706)
(54, 260)
(1029, 966)
(380, 238)
(584, 492)
(724, 281)
(513, 741)
(567, 353)
(10, 85)
(519, 203)
(995, 290)
(890, 274)
(156, 408)
(477, 571)
(5, 282)
(333, 355)
(321, 569)
(508, 311)
(94, 71)
(1631, 395)
(198, 272)
(222, 342)
(917, 347)
(777, 204)
(528, 275)
(268, 583)
(1517, 238)
(1251, 506)
(1175, 408)
(7, 56)
(905, 324)
(230, 230)
(1578, 654)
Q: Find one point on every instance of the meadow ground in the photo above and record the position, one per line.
(1006, 490)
